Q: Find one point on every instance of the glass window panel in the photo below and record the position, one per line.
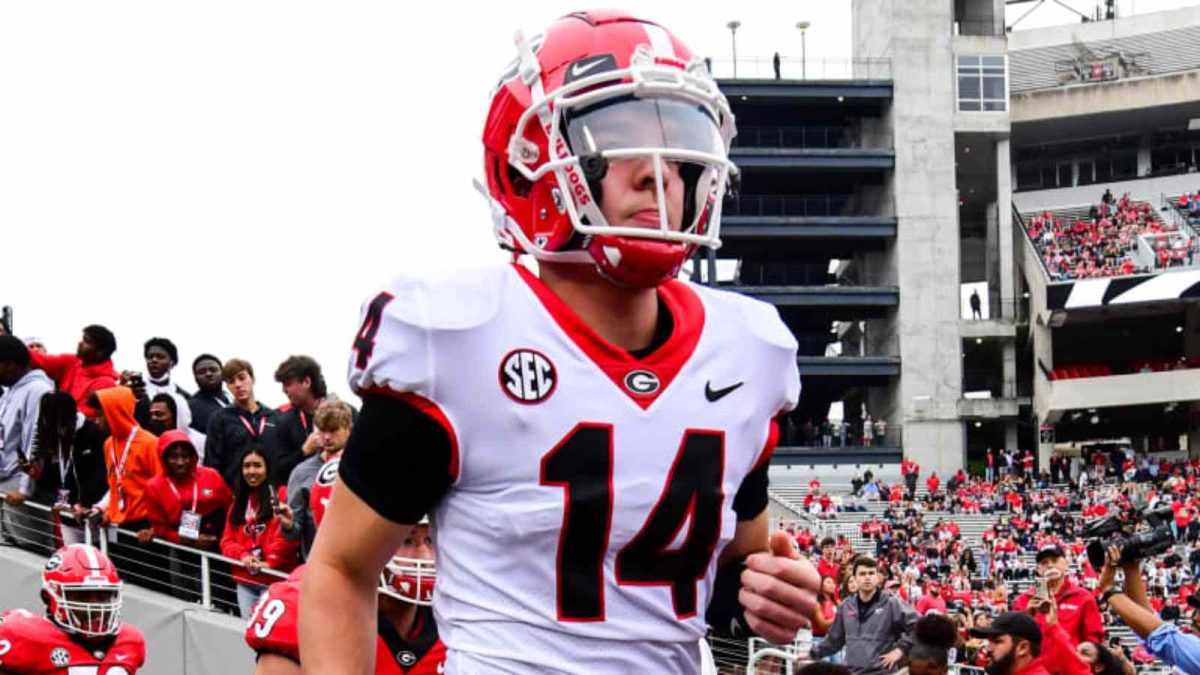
(969, 106)
(994, 106)
(968, 88)
(993, 87)
(992, 61)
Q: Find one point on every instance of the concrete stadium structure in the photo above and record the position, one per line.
(871, 199)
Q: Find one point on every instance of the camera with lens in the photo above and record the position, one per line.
(1135, 545)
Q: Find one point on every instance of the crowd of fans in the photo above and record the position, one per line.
(214, 470)
(924, 560)
(1104, 243)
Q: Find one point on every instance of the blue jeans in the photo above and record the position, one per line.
(832, 658)
(247, 596)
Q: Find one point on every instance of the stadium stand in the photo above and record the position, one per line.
(1107, 239)
(1157, 53)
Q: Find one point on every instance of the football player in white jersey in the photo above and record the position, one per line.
(593, 442)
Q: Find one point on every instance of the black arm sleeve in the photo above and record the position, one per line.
(397, 459)
(751, 497)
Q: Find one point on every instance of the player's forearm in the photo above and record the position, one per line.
(337, 621)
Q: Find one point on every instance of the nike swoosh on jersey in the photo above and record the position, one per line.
(714, 395)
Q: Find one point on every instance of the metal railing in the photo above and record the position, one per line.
(187, 573)
(815, 136)
(792, 68)
(798, 436)
(787, 205)
(997, 310)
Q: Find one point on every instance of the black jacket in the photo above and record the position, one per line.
(86, 475)
(204, 404)
(231, 431)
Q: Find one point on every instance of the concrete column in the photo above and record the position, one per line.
(1009, 374)
(1008, 265)
(924, 261)
(1010, 435)
(1193, 436)
(1143, 155)
(991, 257)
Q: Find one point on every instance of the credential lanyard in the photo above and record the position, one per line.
(195, 493)
(119, 466)
(262, 425)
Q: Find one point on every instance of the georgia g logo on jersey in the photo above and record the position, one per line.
(328, 474)
(527, 376)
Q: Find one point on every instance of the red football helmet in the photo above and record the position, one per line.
(82, 591)
(411, 577)
(598, 91)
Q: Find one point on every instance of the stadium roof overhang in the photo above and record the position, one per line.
(1058, 130)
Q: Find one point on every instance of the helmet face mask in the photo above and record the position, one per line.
(82, 591)
(407, 578)
(660, 108)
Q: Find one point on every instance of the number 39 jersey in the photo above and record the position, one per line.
(34, 645)
(591, 491)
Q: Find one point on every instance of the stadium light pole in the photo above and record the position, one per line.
(803, 26)
(733, 26)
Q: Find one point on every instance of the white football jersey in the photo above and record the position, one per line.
(592, 491)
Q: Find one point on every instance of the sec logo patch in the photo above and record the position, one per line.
(527, 376)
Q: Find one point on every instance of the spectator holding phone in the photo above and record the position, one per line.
(71, 450)
(87, 371)
(1078, 613)
(334, 420)
(252, 533)
(161, 358)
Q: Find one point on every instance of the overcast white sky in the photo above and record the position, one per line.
(237, 176)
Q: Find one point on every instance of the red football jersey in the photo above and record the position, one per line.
(31, 644)
(273, 628)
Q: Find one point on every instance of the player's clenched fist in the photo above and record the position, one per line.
(779, 590)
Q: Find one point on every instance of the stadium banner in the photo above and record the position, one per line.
(1123, 290)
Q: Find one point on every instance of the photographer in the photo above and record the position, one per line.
(1163, 640)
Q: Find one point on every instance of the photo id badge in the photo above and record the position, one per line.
(189, 525)
(63, 498)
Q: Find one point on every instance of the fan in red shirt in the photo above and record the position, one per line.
(804, 539)
(826, 566)
(81, 631)
(87, 371)
(933, 482)
(1078, 613)
(252, 532)
(931, 600)
(186, 503)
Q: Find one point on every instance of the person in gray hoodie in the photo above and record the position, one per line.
(875, 627)
(19, 406)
